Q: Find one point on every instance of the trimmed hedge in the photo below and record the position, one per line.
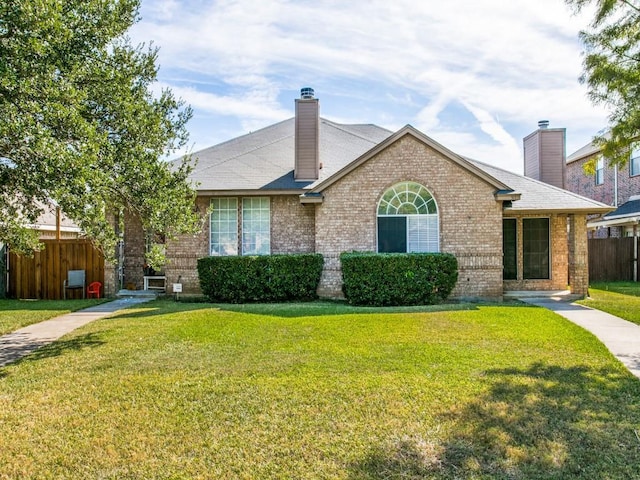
(264, 278)
(384, 279)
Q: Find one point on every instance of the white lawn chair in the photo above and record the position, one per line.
(75, 280)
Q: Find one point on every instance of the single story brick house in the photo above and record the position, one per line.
(308, 184)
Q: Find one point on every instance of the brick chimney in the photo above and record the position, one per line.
(307, 133)
(545, 154)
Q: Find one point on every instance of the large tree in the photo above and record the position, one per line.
(80, 126)
(612, 71)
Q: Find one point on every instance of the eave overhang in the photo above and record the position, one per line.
(555, 211)
(247, 193)
(614, 222)
(311, 198)
(507, 196)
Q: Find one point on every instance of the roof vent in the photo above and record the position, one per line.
(307, 93)
(543, 124)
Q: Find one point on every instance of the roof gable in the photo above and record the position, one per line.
(408, 130)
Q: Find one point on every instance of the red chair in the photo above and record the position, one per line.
(94, 289)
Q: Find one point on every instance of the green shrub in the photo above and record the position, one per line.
(264, 278)
(383, 279)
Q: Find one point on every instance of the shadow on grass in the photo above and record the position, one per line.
(29, 351)
(543, 422)
(60, 347)
(288, 310)
(323, 308)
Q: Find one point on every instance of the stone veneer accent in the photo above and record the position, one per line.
(470, 217)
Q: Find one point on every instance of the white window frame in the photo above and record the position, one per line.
(600, 170)
(428, 238)
(230, 210)
(256, 226)
(634, 161)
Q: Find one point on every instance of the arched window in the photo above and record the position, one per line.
(408, 220)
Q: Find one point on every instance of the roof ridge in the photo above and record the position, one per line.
(341, 127)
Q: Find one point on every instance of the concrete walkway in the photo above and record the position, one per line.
(621, 337)
(16, 345)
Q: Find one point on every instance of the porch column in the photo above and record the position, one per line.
(578, 255)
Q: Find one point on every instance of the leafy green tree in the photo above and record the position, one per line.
(80, 125)
(612, 71)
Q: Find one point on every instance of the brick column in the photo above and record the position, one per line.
(578, 255)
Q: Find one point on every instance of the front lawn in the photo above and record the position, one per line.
(187, 391)
(621, 299)
(15, 314)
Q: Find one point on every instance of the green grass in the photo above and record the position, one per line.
(621, 299)
(15, 314)
(187, 391)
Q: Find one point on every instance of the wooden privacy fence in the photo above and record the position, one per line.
(42, 275)
(613, 259)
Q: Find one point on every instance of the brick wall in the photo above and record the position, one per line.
(470, 217)
(134, 248)
(585, 185)
(183, 253)
(578, 255)
(559, 256)
(292, 227)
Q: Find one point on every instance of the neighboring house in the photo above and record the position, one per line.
(613, 185)
(52, 224)
(65, 248)
(308, 184)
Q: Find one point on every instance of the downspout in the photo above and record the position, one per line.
(636, 239)
(615, 185)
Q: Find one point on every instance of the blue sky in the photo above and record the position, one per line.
(475, 76)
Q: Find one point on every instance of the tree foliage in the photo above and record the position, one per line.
(80, 125)
(612, 71)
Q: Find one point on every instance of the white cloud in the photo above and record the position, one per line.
(509, 63)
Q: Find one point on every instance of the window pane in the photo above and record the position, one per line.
(423, 233)
(256, 226)
(509, 249)
(635, 161)
(415, 212)
(599, 171)
(535, 244)
(392, 234)
(224, 226)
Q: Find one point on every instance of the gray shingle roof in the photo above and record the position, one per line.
(264, 159)
(588, 149)
(628, 209)
(536, 195)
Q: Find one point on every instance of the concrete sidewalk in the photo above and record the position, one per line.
(621, 337)
(16, 345)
